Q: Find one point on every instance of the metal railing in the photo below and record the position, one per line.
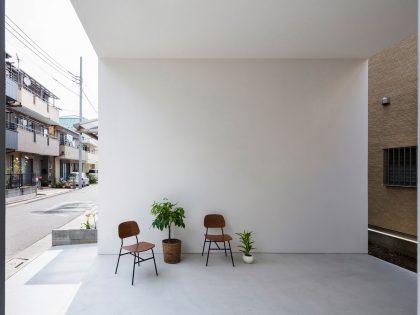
(70, 144)
(20, 180)
(14, 126)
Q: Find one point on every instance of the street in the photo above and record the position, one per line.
(29, 222)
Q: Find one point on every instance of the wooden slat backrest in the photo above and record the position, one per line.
(128, 229)
(214, 221)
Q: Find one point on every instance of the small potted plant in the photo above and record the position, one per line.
(166, 214)
(246, 246)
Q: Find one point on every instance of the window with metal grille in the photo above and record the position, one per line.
(400, 166)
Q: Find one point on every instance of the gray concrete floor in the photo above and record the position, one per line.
(27, 223)
(74, 280)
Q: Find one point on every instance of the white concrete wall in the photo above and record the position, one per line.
(277, 147)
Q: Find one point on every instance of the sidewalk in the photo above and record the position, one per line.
(42, 193)
(26, 256)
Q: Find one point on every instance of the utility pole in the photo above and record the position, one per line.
(80, 121)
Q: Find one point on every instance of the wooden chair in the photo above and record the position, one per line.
(129, 229)
(216, 221)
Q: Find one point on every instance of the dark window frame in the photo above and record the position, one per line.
(400, 167)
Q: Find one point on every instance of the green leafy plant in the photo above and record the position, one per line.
(246, 242)
(166, 214)
(92, 179)
(58, 184)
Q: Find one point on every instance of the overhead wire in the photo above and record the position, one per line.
(37, 50)
(46, 62)
(90, 103)
(34, 44)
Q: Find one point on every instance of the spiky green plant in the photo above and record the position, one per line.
(246, 242)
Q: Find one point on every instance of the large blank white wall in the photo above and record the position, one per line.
(278, 147)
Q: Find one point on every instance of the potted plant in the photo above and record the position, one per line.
(167, 214)
(246, 246)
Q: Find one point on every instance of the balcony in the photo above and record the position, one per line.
(11, 90)
(90, 141)
(69, 152)
(91, 158)
(33, 142)
(11, 140)
(38, 105)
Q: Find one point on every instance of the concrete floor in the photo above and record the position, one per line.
(74, 280)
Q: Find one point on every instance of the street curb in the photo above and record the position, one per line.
(38, 198)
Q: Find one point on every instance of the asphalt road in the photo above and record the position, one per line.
(30, 222)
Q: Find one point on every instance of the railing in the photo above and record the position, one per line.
(14, 126)
(20, 180)
(71, 144)
(68, 143)
(35, 88)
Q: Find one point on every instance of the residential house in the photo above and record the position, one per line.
(31, 129)
(68, 159)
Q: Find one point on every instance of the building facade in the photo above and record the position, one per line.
(31, 129)
(68, 159)
(392, 167)
(38, 147)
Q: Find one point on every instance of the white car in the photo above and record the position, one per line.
(74, 176)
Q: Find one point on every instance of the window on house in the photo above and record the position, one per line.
(400, 166)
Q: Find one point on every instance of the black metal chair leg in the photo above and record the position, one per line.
(204, 245)
(134, 268)
(231, 256)
(118, 261)
(138, 256)
(208, 252)
(224, 244)
(154, 262)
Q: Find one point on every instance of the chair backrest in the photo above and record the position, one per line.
(128, 229)
(214, 221)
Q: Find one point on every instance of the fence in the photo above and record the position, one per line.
(20, 180)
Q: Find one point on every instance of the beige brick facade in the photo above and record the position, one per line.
(392, 72)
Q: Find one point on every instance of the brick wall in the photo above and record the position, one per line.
(392, 72)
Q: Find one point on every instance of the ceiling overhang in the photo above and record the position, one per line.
(245, 28)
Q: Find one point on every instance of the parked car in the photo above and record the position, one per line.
(74, 177)
(94, 172)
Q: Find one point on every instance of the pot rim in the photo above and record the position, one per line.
(173, 241)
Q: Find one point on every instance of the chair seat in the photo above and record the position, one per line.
(218, 238)
(140, 247)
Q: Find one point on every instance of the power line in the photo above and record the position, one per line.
(66, 87)
(38, 47)
(90, 103)
(47, 73)
(40, 57)
(90, 91)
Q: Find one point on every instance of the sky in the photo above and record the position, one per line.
(55, 27)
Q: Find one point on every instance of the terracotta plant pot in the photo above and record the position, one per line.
(171, 251)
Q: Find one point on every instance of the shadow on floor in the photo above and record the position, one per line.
(69, 267)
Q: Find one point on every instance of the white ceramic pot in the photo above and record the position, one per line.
(248, 259)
